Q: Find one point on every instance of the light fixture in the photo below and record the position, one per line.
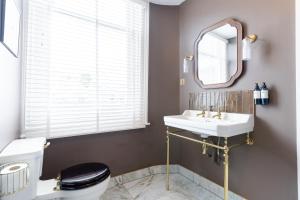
(187, 63)
(247, 41)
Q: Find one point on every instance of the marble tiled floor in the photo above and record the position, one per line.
(153, 188)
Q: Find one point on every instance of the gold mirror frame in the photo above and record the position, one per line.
(239, 27)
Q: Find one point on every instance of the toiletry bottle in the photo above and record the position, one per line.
(264, 94)
(256, 94)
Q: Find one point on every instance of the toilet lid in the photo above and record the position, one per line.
(83, 175)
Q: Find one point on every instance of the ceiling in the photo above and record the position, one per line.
(167, 2)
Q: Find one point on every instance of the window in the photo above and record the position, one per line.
(213, 55)
(85, 66)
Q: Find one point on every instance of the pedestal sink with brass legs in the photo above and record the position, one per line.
(225, 125)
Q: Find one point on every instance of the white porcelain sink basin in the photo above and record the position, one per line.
(229, 125)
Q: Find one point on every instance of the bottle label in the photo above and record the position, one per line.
(256, 94)
(265, 94)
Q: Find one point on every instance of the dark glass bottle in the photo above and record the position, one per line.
(264, 94)
(256, 94)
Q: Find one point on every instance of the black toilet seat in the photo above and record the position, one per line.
(83, 176)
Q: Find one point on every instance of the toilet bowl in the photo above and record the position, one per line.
(86, 181)
(45, 191)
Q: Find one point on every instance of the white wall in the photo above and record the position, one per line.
(298, 88)
(9, 95)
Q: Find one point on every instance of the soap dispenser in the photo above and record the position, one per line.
(264, 94)
(256, 94)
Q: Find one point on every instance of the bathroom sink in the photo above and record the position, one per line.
(230, 124)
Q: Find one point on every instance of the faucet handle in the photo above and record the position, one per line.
(218, 115)
(202, 114)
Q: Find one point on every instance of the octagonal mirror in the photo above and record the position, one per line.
(218, 54)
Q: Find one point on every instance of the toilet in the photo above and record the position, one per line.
(86, 181)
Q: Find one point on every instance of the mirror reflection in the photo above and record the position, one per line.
(217, 55)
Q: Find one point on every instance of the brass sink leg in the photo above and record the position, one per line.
(226, 169)
(168, 161)
(204, 147)
(249, 140)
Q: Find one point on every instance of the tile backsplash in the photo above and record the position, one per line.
(225, 101)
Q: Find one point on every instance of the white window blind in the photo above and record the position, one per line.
(213, 55)
(85, 66)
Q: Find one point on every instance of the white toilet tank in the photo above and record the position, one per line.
(30, 151)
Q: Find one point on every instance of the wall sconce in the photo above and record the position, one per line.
(247, 41)
(187, 63)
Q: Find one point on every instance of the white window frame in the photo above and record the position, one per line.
(23, 32)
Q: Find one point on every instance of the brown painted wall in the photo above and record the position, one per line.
(267, 170)
(130, 150)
